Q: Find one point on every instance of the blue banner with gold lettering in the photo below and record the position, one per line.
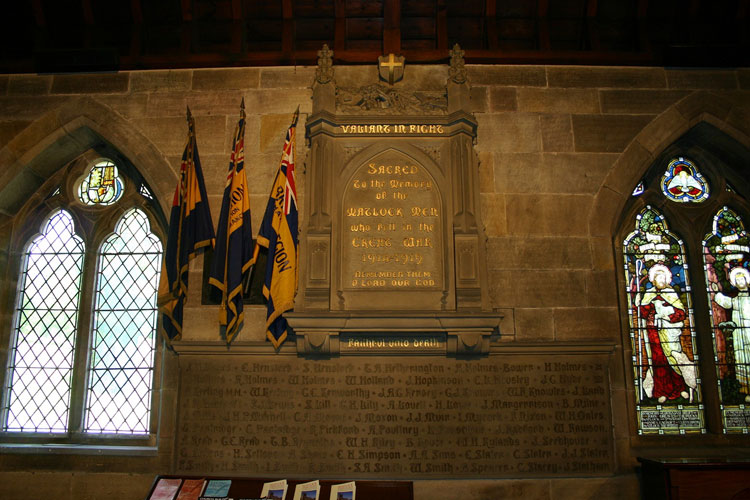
(234, 239)
(278, 233)
(191, 230)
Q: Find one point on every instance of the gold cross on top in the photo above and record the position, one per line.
(391, 64)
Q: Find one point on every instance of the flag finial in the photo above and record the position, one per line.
(295, 117)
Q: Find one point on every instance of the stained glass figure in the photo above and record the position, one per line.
(124, 335)
(46, 321)
(662, 334)
(102, 185)
(726, 257)
(683, 183)
(639, 189)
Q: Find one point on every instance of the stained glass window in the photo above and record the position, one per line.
(145, 192)
(726, 257)
(683, 183)
(662, 334)
(639, 189)
(102, 185)
(124, 336)
(46, 320)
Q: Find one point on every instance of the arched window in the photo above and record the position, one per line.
(662, 335)
(726, 252)
(124, 329)
(82, 357)
(46, 322)
(686, 276)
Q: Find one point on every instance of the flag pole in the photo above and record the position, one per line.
(295, 117)
(249, 272)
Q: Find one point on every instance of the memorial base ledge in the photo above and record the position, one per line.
(451, 334)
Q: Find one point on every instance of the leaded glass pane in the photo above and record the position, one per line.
(45, 330)
(102, 185)
(662, 334)
(124, 329)
(683, 183)
(726, 256)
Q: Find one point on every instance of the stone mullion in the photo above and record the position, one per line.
(702, 325)
(84, 334)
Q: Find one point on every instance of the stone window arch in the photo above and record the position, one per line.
(85, 312)
(697, 357)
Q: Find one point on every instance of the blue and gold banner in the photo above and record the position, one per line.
(278, 233)
(191, 230)
(234, 239)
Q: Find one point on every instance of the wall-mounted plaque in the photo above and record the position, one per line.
(392, 233)
(522, 416)
(393, 224)
(392, 228)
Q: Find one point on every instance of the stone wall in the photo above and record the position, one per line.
(560, 150)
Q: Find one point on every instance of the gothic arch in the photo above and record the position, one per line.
(62, 134)
(699, 112)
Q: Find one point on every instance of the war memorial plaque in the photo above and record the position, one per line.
(393, 229)
(405, 417)
(400, 370)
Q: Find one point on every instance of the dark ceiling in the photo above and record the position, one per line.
(48, 36)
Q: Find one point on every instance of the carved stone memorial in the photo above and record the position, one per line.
(406, 417)
(394, 241)
(400, 369)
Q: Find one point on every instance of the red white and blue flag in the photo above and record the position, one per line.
(278, 233)
(234, 240)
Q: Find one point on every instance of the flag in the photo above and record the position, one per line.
(233, 255)
(191, 230)
(278, 233)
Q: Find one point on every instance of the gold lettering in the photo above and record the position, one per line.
(424, 212)
(424, 185)
(410, 242)
(386, 128)
(374, 212)
(372, 283)
(371, 242)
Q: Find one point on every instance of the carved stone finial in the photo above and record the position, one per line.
(324, 72)
(458, 71)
